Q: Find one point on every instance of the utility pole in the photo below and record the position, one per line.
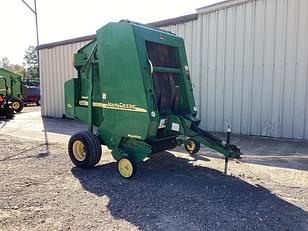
(36, 24)
(34, 11)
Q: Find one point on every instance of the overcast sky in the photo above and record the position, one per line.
(65, 19)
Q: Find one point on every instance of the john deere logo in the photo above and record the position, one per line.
(121, 106)
(114, 106)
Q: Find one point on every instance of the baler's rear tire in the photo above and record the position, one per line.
(192, 146)
(84, 149)
(127, 167)
(17, 104)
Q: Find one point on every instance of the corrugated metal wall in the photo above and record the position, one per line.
(249, 67)
(56, 66)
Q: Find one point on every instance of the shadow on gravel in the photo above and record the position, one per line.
(169, 193)
(2, 123)
(19, 155)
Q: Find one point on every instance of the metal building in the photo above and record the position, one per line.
(248, 61)
(56, 66)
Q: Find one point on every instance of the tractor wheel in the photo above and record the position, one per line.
(127, 167)
(17, 104)
(84, 149)
(191, 146)
(9, 113)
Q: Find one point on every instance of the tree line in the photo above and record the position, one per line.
(29, 68)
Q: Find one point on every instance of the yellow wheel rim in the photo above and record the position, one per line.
(191, 146)
(125, 168)
(79, 151)
(15, 105)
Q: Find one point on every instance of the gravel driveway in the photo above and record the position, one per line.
(41, 190)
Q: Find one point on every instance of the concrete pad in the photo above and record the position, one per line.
(30, 125)
(284, 153)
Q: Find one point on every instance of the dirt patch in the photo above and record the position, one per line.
(41, 190)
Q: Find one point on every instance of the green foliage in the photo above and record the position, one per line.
(29, 70)
(15, 68)
(5, 62)
(31, 63)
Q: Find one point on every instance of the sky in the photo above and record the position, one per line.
(65, 19)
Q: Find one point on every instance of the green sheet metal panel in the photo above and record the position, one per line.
(13, 81)
(122, 81)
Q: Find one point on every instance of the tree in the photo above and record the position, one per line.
(5, 62)
(31, 63)
(15, 68)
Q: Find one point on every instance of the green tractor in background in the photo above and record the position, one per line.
(6, 111)
(11, 89)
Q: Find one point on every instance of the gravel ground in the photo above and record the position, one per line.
(41, 190)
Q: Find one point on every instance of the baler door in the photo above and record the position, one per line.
(167, 91)
(166, 84)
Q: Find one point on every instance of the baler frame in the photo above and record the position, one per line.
(181, 128)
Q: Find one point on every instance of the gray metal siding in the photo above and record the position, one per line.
(56, 66)
(249, 67)
(248, 61)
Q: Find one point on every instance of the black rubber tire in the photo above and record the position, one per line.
(134, 165)
(92, 146)
(196, 148)
(19, 101)
(9, 113)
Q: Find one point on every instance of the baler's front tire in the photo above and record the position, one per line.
(17, 104)
(192, 146)
(127, 167)
(84, 149)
